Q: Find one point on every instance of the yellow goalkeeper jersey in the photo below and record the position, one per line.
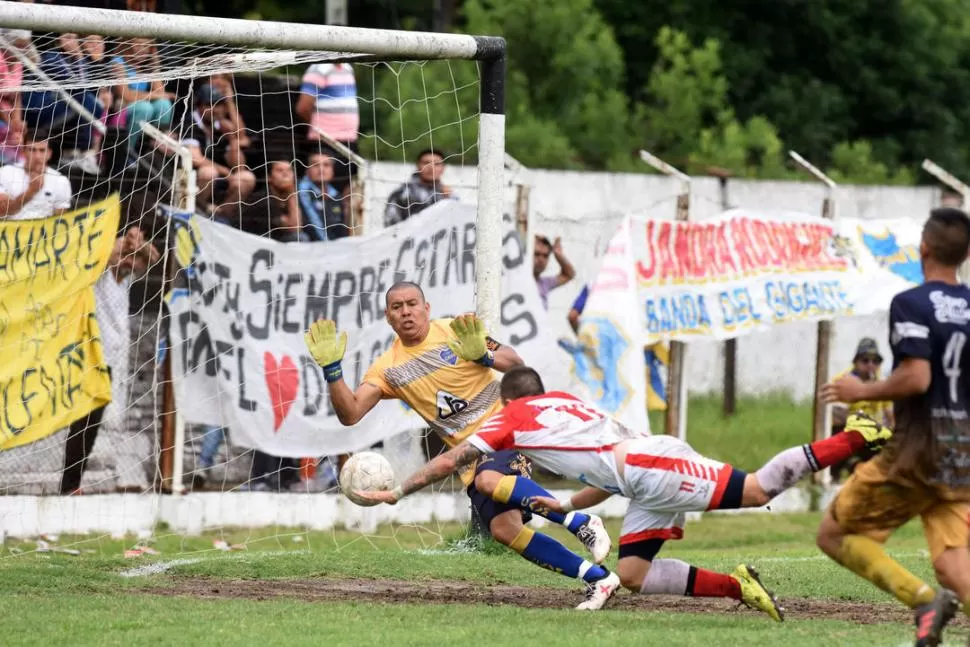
(453, 396)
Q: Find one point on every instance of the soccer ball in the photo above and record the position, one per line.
(365, 471)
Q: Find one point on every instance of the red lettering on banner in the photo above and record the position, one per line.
(682, 261)
(648, 270)
(667, 266)
(723, 250)
(680, 251)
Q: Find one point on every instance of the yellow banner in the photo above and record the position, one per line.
(52, 368)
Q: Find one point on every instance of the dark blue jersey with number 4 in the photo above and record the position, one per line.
(932, 322)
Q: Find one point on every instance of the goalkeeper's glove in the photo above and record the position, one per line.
(326, 347)
(470, 344)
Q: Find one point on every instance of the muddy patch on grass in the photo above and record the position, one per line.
(438, 592)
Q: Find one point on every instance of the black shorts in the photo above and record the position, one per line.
(505, 462)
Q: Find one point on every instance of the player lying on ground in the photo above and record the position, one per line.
(663, 477)
(925, 469)
(443, 370)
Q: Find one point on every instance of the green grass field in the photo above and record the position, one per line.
(420, 586)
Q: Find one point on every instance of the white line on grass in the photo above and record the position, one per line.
(161, 567)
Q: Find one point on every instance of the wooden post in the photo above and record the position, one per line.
(821, 413)
(730, 386)
(675, 422)
(184, 198)
(522, 209)
(962, 190)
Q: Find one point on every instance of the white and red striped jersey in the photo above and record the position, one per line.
(560, 433)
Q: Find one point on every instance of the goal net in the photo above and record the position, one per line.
(217, 185)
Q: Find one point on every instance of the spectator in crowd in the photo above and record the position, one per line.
(231, 120)
(328, 102)
(141, 100)
(576, 311)
(276, 213)
(130, 257)
(212, 438)
(540, 261)
(424, 189)
(31, 189)
(865, 365)
(100, 67)
(214, 173)
(321, 203)
(48, 109)
(212, 119)
(11, 107)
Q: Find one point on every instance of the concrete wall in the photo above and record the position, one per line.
(585, 208)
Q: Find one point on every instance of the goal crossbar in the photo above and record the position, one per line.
(250, 33)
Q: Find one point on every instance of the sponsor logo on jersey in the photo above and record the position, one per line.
(949, 309)
(449, 405)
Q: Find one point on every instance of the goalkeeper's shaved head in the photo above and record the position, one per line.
(521, 382)
(402, 285)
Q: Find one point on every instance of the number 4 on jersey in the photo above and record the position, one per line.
(952, 358)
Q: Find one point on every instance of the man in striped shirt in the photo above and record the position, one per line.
(328, 101)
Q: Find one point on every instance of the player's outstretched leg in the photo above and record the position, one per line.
(542, 550)
(519, 491)
(790, 466)
(674, 577)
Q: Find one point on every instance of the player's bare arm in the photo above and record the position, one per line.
(585, 498)
(437, 469)
(327, 349)
(352, 406)
(910, 378)
(506, 358)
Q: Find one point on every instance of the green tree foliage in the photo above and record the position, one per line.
(565, 81)
(893, 73)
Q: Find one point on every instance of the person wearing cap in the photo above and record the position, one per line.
(865, 365)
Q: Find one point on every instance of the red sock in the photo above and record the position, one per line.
(836, 449)
(702, 583)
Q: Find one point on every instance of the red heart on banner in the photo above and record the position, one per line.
(282, 380)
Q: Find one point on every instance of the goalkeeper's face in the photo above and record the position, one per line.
(408, 314)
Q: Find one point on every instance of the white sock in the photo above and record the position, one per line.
(785, 470)
(666, 577)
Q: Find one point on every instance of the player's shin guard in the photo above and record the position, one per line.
(867, 558)
(519, 491)
(548, 553)
(790, 466)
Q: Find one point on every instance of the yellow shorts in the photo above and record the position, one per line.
(870, 504)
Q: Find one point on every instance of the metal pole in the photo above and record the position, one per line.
(491, 191)
(821, 413)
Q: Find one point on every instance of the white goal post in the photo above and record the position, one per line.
(348, 44)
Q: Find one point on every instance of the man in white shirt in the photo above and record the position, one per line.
(30, 189)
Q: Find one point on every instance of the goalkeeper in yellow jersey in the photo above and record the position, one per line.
(443, 369)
